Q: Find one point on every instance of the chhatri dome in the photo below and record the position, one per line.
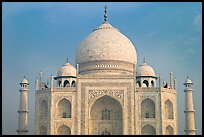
(24, 81)
(66, 70)
(106, 43)
(145, 70)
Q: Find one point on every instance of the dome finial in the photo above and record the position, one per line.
(105, 15)
(144, 60)
(67, 60)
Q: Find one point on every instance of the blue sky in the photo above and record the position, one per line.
(40, 36)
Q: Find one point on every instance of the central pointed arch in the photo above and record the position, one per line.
(106, 116)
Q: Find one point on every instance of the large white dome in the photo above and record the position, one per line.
(145, 70)
(106, 43)
(66, 70)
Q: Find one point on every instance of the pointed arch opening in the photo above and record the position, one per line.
(64, 108)
(64, 130)
(138, 84)
(147, 108)
(169, 109)
(106, 117)
(146, 83)
(169, 130)
(73, 83)
(152, 84)
(60, 84)
(66, 83)
(148, 130)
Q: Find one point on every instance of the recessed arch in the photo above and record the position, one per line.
(43, 130)
(169, 130)
(147, 108)
(169, 111)
(64, 130)
(148, 130)
(43, 109)
(64, 108)
(105, 112)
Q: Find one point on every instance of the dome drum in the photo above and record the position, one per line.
(106, 66)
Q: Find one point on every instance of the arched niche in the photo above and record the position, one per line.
(64, 108)
(169, 111)
(148, 130)
(64, 130)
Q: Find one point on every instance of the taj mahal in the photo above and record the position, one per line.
(105, 93)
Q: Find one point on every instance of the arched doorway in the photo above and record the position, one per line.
(106, 117)
(64, 130)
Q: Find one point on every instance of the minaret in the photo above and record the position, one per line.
(36, 84)
(23, 109)
(170, 83)
(51, 81)
(189, 111)
(41, 80)
(175, 84)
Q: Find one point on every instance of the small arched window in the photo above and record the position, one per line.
(105, 114)
(146, 82)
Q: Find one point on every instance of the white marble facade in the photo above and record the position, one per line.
(106, 93)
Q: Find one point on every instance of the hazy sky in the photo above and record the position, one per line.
(40, 36)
